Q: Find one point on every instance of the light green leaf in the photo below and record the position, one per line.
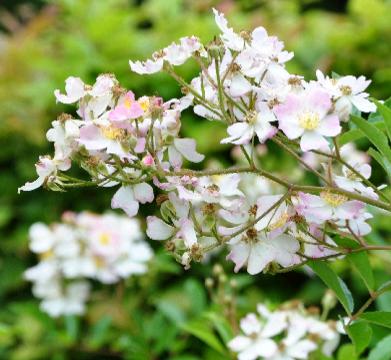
(201, 330)
(382, 351)
(360, 262)
(360, 333)
(346, 352)
(382, 318)
(334, 282)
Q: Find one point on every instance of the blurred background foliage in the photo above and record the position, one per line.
(42, 43)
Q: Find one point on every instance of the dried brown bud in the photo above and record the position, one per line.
(161, 198)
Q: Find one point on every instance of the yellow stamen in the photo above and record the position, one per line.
(113, 133)
(279, 223)
(309, 120)
(333, 199)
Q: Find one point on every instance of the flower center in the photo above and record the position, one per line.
(113, 133)
(309, 120)
(251, 117)
(46, 255)
(104, 239)
(280, 222)
(144, 103)
(333, 199)
(346, 90)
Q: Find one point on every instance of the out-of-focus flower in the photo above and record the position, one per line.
(86, 246)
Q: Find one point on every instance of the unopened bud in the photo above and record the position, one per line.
(209, 283)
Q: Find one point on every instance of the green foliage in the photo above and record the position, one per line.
(166, 314)
(360, 333)
(334, 282)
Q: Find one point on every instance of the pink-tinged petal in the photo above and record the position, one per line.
(187, 147)
(143, 193)
(239, 86)
(140, 145)
(74, 88)
(120, 113)
(158, 229)
(188, 233)
(239, 255)
(91, 138)
(329, 126)
(319, 100)
(135, 110)
(289, 108)
(174, 157)
(361, 102)
(124, 199)
(349, 209)
(290, 128)
(264, 130)
(312, 141)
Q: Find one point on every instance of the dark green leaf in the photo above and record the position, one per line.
(386, 165)
(356, 134)
(335, 283)
(221, 325)
(201, 330)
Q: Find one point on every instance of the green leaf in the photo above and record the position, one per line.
(382, 351)
(386, 165)
(201, 330)
(360, 262)
(346, 352)
(386, 113)
(334, 282)
(360, 333)
(382, 318)
(72, 325)
(221, 325)
(375, 136)
(356, 134)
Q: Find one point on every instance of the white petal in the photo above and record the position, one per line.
(124, 199)
(187, 147)
(239, 86)
(157, 229)
(143, 193)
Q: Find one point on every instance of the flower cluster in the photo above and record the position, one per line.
(289, 333)
(134, 143)
(83, 246)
